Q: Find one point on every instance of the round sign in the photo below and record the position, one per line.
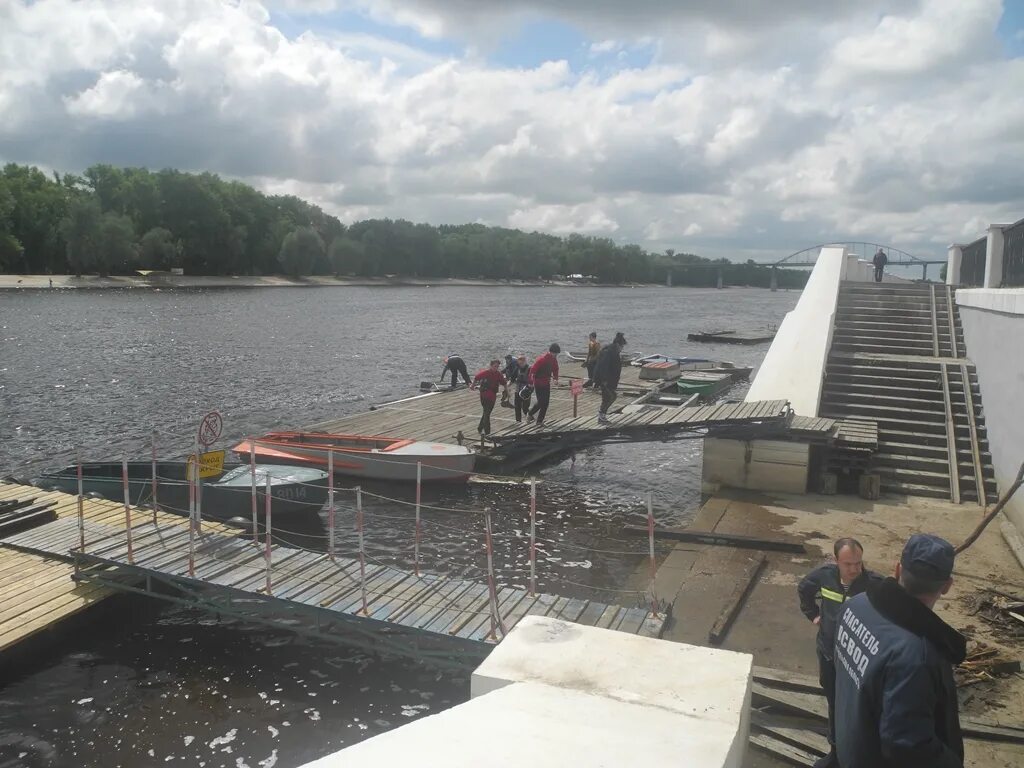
(210, 428)
(576, 387)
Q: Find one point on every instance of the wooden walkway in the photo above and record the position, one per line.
(453, 415)
(36, 588)
(441, 416)
(441, 610)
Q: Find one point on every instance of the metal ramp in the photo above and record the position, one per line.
(449, 622)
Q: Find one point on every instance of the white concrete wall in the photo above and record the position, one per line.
(993, 321)
(757, 465)
(555, 694)
(794, 368)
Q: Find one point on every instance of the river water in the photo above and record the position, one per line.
(100, 370)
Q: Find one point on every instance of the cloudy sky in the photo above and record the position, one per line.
(743, 128)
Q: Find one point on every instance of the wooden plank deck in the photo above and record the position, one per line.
(36, 588)
(395, 598)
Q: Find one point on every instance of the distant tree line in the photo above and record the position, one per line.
(118, 220)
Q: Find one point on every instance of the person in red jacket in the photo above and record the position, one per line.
(542, 373)
(488, 381)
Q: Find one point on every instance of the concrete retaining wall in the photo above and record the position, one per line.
(993, 321)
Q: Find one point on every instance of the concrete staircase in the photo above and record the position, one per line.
(898, 357)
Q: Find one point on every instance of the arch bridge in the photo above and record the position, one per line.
(808, 257)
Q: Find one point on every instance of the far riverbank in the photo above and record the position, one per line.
(163, 280)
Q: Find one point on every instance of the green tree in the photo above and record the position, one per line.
(116, 244)
(158, 249)
(346, 256)
(299, 251)
(80, 229)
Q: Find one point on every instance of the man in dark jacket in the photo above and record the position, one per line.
(879, 260)
(607, 373)
(896, 704)
(457, 366)
(822, 594)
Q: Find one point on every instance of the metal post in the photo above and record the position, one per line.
(255, 502)
(330, 503)
(190, 470)
(533, 536)
(127, 507)
(575, 403)
(155, 502)
(81, 509)
(199, 494)
(362, 551)
(269, 536)
(650, 545)
(924, 272)
(416, 543)
(775, 278)
(492, 590)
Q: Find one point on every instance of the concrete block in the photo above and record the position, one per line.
(542, 726)
(757, 465)
(870, 486)
(706, 683)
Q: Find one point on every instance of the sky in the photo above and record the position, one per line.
(736, 128)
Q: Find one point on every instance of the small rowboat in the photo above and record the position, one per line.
(374, 458)
(294, 490)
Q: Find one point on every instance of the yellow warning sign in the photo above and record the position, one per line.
(210, 463)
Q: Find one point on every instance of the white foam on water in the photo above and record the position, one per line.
(240, 763)
(273, 731)
(189, 740)
(314, 715)
(84, 701)
(227, 738)
(269, 761)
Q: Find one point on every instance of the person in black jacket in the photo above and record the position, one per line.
(879, 260)
(896, 704)
(457, 366)
(822, 594)
(607, 373)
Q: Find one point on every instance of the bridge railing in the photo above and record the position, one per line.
(1013, 255)
(972, 263)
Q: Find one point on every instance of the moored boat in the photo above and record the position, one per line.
(738, 372)
(292, 489)
(374, 458)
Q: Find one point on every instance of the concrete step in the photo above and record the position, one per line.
(913, 489)
(880, 349)
(896, 447)
(844, 338)
(911, 462)
(838, 386)
(898, 401)
(918, 368)
(916, 476)
(887, 330)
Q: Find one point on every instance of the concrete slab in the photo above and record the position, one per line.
(543, 726)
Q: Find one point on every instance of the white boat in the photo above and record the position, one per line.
(373, 458)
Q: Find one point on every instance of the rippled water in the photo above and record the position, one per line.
(100, 370)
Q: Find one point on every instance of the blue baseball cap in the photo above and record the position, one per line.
(928, 557)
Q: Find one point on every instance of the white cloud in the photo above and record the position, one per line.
(743, 143)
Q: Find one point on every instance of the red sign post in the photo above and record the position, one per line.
(576, 387)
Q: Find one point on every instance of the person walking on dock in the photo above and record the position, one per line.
(488, 381)
(607, 373)
(519, 379)
(593, 351)
(543, 371)
(896, 699)
(822, 594)
(879, 260)
(457, 366)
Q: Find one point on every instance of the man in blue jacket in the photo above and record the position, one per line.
(896, 704)
(823, 592)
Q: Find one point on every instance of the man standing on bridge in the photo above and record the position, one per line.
(896, 702)
(822, 594)
(607, 373)
(880, 260)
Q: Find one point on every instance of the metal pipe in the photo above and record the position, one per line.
(81, 509)
(255, 502)
(416, 545)
(190, 471)
(650, 544)
(127, 507)
(362, 552)
(155, 502)
(533, 536)
(199, 493)
(268, 537)
(496, 622)
(330, 503)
